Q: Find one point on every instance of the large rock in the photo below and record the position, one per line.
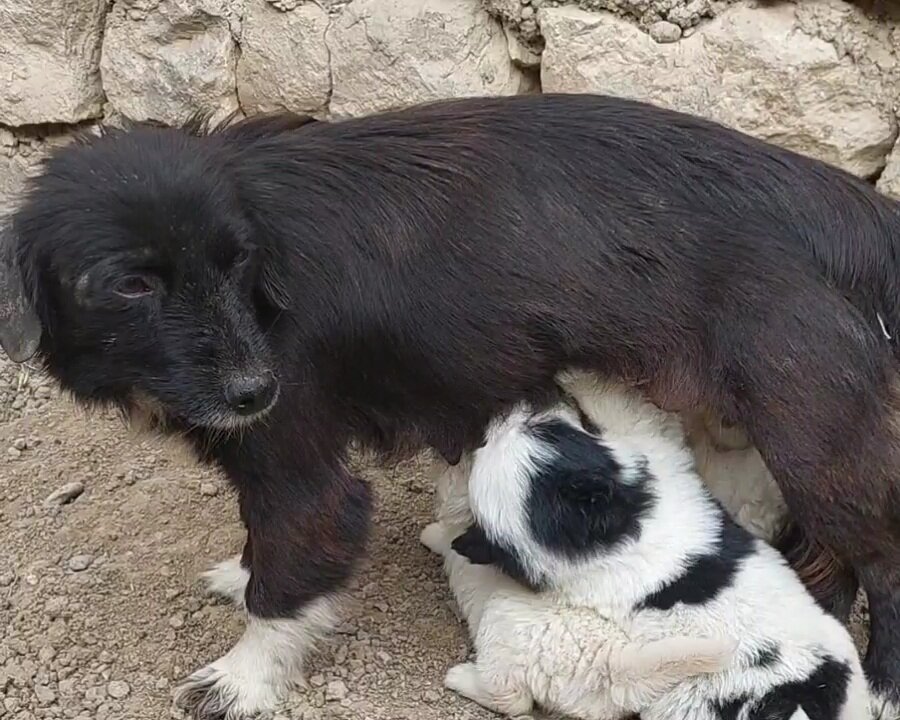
(750, 68)
(49, 61)
(284, 59)
(165, 60)
(20, 159)
(889, 182)
(391, 53)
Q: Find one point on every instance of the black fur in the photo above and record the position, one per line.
(707, 575)
(767, 657)
(475, 546)
(822, 696)
(579, 502)
(409, 275)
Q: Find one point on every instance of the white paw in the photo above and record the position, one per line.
(260, 669)
(218, 692)
(228, 579)
(463, 679)
(436, 538)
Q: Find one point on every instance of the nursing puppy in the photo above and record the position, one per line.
(279, 288)
(736, 475)
(532, 649)
(619, 523)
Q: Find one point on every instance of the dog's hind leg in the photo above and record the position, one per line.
(817, 390)
(307, 525)
(831, 581)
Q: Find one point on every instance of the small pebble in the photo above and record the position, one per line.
(665, 32)
(14, 452)
(209, 489)
(44, 694)
(177, 621)
(431, 696)
(118, 689)
(66, 494)
(335, 690)
(79, 563)
(20, 444)
(6, 579)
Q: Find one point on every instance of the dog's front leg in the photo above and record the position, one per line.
(306, 528)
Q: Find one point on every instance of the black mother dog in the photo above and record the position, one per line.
(278, 288)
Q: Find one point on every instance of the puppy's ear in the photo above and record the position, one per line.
(20, 327)
(474, 545)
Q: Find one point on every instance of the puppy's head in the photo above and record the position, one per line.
(548, 496)
(136, 274)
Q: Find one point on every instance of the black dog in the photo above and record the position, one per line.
(277, 288)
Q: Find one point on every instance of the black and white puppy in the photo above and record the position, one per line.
(619, 522)
(535, 648)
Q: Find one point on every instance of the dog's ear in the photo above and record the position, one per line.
(474, 545)
(20, 327)
(271, 282)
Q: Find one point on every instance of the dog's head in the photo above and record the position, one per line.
(134, 271)
(549, 496)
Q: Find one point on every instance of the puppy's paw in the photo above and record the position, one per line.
(435, 538)
(464, 679)
(510, 699)
(228, 579)
(216, 693)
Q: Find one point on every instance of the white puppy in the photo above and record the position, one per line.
(737, 476)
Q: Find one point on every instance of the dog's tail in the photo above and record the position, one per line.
(641, 673)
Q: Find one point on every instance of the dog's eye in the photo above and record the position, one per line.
(241, 257)
(134, 286)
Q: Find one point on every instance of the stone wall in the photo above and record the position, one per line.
(819, 76)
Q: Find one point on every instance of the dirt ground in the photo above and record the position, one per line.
(101, 610)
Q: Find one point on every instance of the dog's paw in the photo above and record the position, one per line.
(228, 579)
(435, 538)
(215, 693)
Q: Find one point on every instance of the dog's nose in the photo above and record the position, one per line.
(251, 394)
